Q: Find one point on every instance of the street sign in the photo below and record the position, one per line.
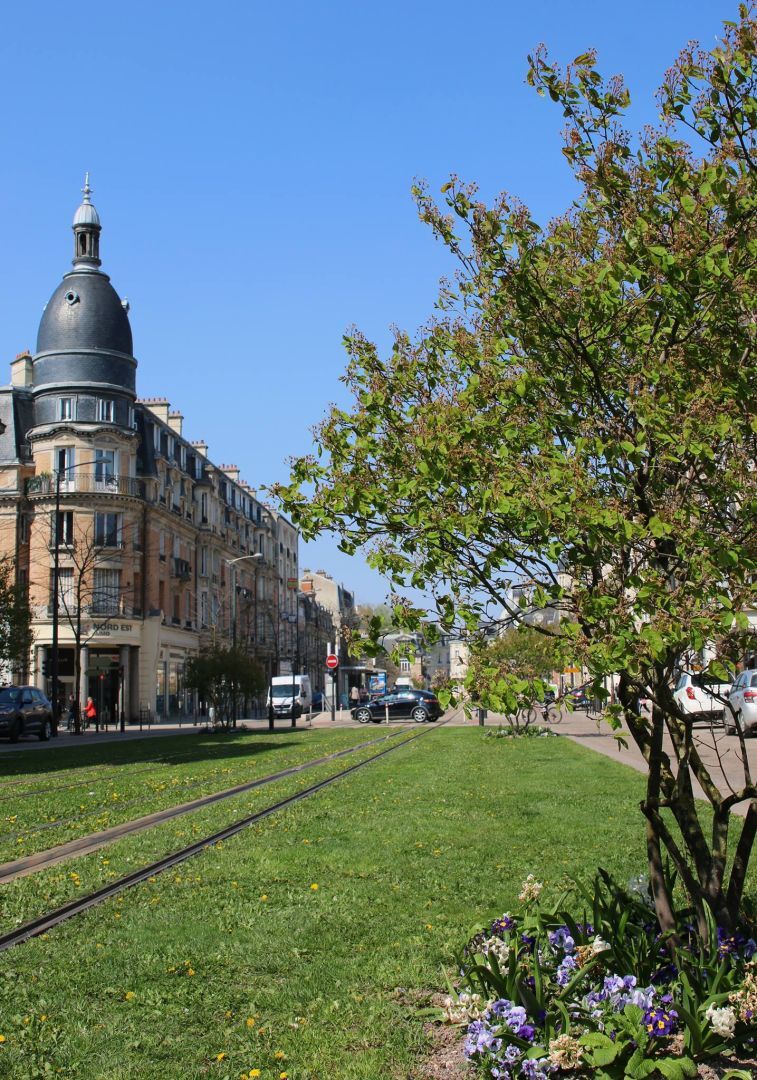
(332, 661)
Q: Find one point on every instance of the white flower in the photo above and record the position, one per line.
(722, 1021)
(598, 945)
(467, 1007)
(496, 947)
(530, 890)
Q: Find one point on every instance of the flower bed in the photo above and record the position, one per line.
(544, 994)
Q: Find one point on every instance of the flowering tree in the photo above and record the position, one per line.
(576, 420)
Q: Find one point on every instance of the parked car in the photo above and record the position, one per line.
(744, 703)
(699, 694)
(318, 700)
(403, 703)
(577, 699)
(24, 710)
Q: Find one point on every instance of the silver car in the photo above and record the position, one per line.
(744, 703)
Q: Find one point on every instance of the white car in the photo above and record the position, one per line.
(744, 703)
(702, 695)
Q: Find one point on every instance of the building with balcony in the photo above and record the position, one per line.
(158, 548)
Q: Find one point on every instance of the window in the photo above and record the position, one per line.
(106, 597)
(183, 456)
(170, 446)
(130, 417)
(23, 528)
(105, 410)
(204, 609)
(405, 666)
(105, 466)
(66, 408)
(204, 561)
(198, 468)
(176, 547)
(108, 530)
(162, 546)
(65, 529)
(64, 465)
(204, 507)
(156, 438)
(66, 592)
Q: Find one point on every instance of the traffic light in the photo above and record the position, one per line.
(46, 668)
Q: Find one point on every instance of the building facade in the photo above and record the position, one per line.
(158, 550)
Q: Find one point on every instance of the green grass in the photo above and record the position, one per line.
(93, 788)
(410, 855)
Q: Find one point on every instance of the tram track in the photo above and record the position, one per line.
(48, 921)
(85, 845)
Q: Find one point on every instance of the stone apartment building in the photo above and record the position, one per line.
(158, 548)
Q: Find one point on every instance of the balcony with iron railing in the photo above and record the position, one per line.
(85, 484)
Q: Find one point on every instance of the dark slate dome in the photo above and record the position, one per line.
(85, 312)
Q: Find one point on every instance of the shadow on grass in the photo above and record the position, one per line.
(233, 745)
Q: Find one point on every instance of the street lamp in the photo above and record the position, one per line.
(59, 474)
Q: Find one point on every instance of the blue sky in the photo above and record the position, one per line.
(251, 164)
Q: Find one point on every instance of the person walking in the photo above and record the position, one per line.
(90, 712)
(354, 697)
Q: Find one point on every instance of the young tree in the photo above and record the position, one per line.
(15, 619)
(220, 674)
(577, 416)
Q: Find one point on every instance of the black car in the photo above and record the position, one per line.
(24, 710)
(401, 704)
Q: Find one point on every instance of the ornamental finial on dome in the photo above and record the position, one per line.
(86, 228)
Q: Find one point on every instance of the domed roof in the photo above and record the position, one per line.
(85, 312)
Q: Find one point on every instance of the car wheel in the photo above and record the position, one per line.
(363, 716)
(45, 731)
(419, 715)
(730, 722)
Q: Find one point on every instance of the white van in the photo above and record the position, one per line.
(281, 694)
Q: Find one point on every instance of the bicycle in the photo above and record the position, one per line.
(550, 714)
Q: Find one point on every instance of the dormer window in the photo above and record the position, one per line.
(65, 408)
(105, 410)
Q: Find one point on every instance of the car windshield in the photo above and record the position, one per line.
(284, 691)
(10, 696)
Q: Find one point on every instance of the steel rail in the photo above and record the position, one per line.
(51, 919)
(85, 845)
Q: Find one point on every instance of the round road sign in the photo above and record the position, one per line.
(332, 662)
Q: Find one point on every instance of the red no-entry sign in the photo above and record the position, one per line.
(332, 661)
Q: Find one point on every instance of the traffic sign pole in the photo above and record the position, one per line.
(332, 663)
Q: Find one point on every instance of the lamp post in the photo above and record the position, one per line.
(59, 474)
(232, 563)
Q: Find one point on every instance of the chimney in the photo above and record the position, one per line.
(200, 446)
(157, 406)
(232, 471)
(175, 420)
(21, 369)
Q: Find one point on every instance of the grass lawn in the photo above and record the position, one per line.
(87, 789)
(237, 962)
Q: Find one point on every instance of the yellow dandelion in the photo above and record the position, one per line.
(250, 1021)
(314, 886)
(2, 1038)
(190, 971)
(221, 1056)
(283, 1076)
(129, 995)
(254, 1072)
(43, 1017)
(279, 1055)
